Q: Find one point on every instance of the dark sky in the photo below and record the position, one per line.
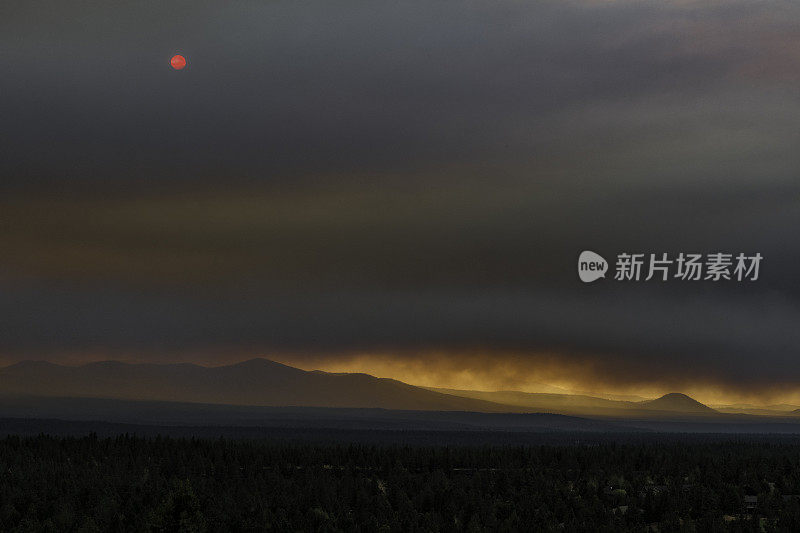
(412, 180)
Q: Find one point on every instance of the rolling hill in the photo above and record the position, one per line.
(541, 401)
(257, 382)
(264, 394)
(578, 404)
(261, 382)
(677, 402)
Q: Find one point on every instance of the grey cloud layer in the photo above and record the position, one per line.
(346, 175)
(293, 86)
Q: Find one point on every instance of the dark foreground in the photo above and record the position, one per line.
(128, 483)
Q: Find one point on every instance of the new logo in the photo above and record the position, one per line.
(591, 266)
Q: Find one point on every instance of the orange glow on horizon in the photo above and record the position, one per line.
(499, 371)
(481, 371)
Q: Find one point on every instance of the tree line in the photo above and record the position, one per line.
(131, 483)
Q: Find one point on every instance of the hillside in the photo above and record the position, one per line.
(677, 402)
(253, 382)
(261, 382)
(578, 404)
(543, 401)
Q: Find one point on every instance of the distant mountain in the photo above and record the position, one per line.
(261, 382)
(258, 382)
(579, 404)
(200, 415)
(677, 402)
(542, 401)
(781, 409)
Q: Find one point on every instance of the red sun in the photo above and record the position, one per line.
(178, 62)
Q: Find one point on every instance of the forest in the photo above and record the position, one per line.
(134, 483)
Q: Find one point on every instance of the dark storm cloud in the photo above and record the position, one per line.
(401, 176)
(630, 338)
(293, 86)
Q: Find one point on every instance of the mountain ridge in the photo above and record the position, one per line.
(258, 382)
(677, 401)
(264, 382)
(588, 405)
